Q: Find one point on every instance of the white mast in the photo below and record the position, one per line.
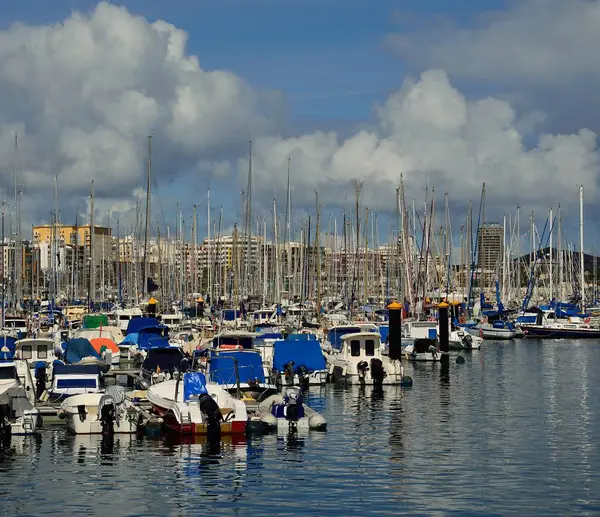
(581, 265)
(504, 257)
(551, 266)
(209, 249)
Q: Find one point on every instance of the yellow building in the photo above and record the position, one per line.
(69, 234)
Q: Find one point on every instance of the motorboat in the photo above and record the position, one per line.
(241, 373)
(499, 329)
(124, 316)
(9, 377)
(423, 350)
(74, 379)
(299, 361)
(190, 405)
(458, 339)
(288, 412)
(361, 361)
(101, 413)
(161, 364)
(18, 416)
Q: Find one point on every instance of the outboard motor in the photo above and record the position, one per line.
(303, 377)
(108, 415)
(5, 429)
(468, 340)
(377, 371)
(210, 409)
(362, 368)
(294, 407)
(41, 377)
(288, 371)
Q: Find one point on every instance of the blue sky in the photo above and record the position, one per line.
(327, 56)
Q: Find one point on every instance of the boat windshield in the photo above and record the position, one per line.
(8, 372)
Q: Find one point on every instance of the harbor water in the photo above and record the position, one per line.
(512, 431)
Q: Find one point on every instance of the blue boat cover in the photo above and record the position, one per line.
(152, 338)
(137, 324)
(79, 348)
(384, 332)
(10, 343)
(130, 339)
(194, 384)
(249, 362)
(335, 335)
(167, 359)
(303, 353)
(75, 369)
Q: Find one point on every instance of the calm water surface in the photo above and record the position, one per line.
(514, 430)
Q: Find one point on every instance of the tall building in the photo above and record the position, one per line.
(67, 236)
(490, 249)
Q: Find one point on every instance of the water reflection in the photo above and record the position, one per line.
(513, 434)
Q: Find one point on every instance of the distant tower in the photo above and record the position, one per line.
(490, 250)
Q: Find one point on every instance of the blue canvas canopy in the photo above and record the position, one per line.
(137, 324)
(167, 359)
(79, 348)
(194, 384)
(152, 337)
(304, 353)
(10, 343)
(249, 363)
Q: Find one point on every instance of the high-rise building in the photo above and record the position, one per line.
(490, 249)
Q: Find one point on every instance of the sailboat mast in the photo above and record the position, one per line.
(209, 251)
(147, 229)
(551, 269)
(92, 272)
(581, 264)
(248, 224)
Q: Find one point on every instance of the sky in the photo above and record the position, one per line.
(447, 94)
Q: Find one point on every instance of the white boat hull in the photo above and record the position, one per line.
(392, 379)
(87, 421)
(490, 333)
(27, 423)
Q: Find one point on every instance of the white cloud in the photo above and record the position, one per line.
(542, 54)
(533, 41)
(83, 94)
(432, 134)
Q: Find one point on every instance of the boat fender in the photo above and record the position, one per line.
(460, 359)
(406, 382)
(82, 412)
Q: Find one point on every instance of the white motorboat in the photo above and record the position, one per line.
(70, 379)
(498, 330)
(423, 350)
(288, 412)
(124, 316)
(458, 339)
(8, 377)
(188, 405)
(360, 361)
(101, 413)
(17, 411)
